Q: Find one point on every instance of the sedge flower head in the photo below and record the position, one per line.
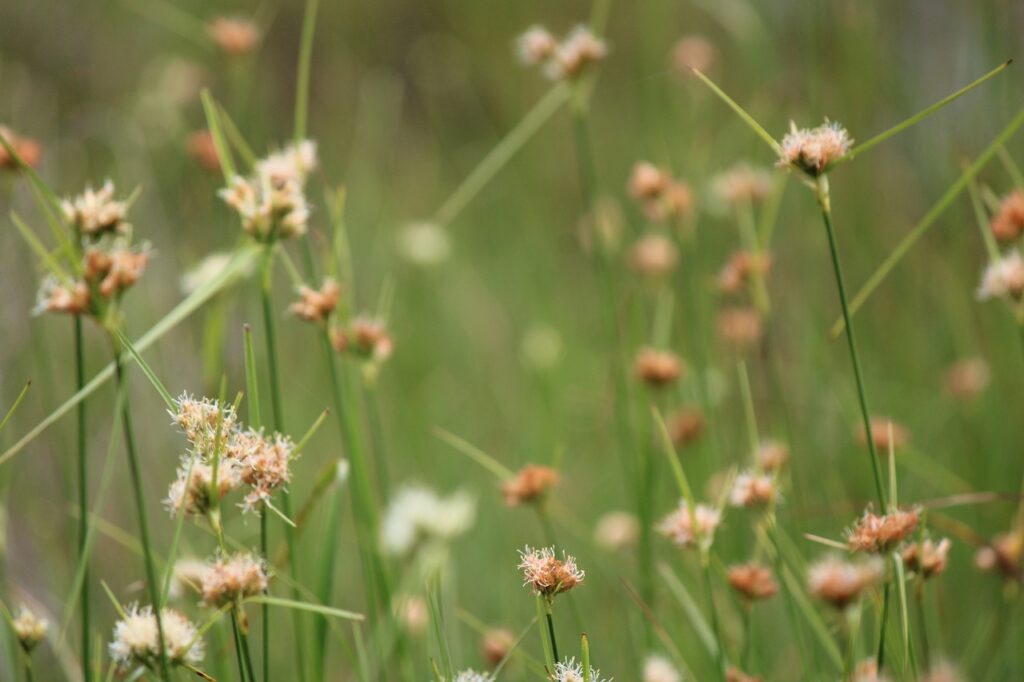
(1008, 222)
(547, 574)
(572, 671)
(136, 639)
(752, 490)
(813, 150)
(192, 491)
(742, 185)
(417, 516)
(496, 645)
(233, 578)
(753, 581)
(29, 628)
(927, 558)
(879, 534)
(95, 212)
(234, 35)
(658, 368)
(576, 54)
(660, 669)
(616, 531)
(536, 45)
(29, 150)
(316, 305)
(1003, 278)
(840, 582)
(530, 484)
(686, 529)
(653, 255)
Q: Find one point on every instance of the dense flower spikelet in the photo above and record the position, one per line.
(233, 578)
(265, 464)
(29, 628)
(752, 490)
(536, 45)
(1008, 222)
(193, 489)
(547, 574)
(1003, 278)
(580, 50)
(841, 582)
(657, 367)
(136, 639)
(685, 529)
(813, 150)
(879, 534)
(531, 483)
(572, 671)
(94, 212)
(927, 558)
(316, 305)
(753, 581)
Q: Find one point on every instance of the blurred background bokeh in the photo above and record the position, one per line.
(501, 337)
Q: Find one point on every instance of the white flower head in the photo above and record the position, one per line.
(571, 671)
(418, 514)
(813, 150)
(94, 212)
(470, 675)
(136, 638)
(660, 669)
(30, 628)
(685, 529)
(1003, 277)
(536, 45)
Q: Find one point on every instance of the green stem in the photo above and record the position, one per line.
(926, 650)
(243, 637)
(851, 339)
(880, 656)
(720, 653)
(265, 609)
(140, 508)
(28, 667)
(278, 413)
(549, 617)
(83, 491)
(238, 647)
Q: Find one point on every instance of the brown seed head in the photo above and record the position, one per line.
(880, 534)
(741, 267)
(531, 483)
(71, 298)
(739, 327)
(1008, 223)
(685, 426)
(316, 305)
(753, 581)
(880, 435)
(966, 379)
(840, 582)
(647, 181)
(546, 574)
(658, 368)
(370, 339)
(675, 202)
(203, 151)
(1003, 554)
(496, 644)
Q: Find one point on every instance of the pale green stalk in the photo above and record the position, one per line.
(83, 501)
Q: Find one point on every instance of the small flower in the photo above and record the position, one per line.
(234, 578)
(417, 515)
(693, 52)
(658, 368)
(654, 255)
(96, 212)
(880, 427)
(686, 426)
(616, 531)
(772, 455)
(234, 36)
(531, 484)
(685, 529)
(753, 581)
(293, 163)
(316, 305)
(29, 150)
(840, 582)
(201, 419)
(30, 629)
(536, 45)
(54, 297)
(264, 464)
(580, 50)
(414, 614)
(879, 534)
(571, 671)
(752, 490)
(193, 488)
(1003, 278)
(470, 675)
(370, 339)
(660, 669)
(647, 181)
(1008, 223)
(136, 639)
(739, 327)
(546, 574)
(813, 150)
(742, 185)
(496, 645)
(676, 201)
(927, 558)
(966, 379)
(116, 267)
(741, 268)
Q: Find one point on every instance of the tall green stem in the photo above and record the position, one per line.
(278, 413)
(140, 508)
(851, 340)
(549, 617)
(705, 561)
(83, 501)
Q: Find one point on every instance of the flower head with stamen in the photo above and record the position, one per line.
(570, 670)
(316, 305)
(136, 639)
(813, 150)
(530, 484)
(95, 212)
(29, 628)
(546, 574)
(880, 534)
(841, 582)
(234, 578)
(927, 558)
(1003, 278)
(685, 529)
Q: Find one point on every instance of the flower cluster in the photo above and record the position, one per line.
(272, 201)
(686, 529)
(107, 264)
(27, 149)
(1003, 278)
(233, 35)
(752, 581)
(653, 255)
(562, 60)
(570, 670)
(660, 669)
(233, 578)
(244, 457)
(658, 368)
(927, 558)
(136, 638)
(417, 515)
(752, 490)
(29, 628)
(366, 338)
(470, 675)
(740, 270)
(813, 150)
(316, 305)
(879, 534)
(547, 574)
(1008, 222)
(661, 195)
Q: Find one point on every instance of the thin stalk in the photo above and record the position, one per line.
(243, 637)
(83, 501)
(277, 411)
(716, 628)
(140, 508)
(880, 656)
(549, 618)
(926, 650)
(28, 666)
(265, 608)
(238, 647)
(302, 77)
(851, 339)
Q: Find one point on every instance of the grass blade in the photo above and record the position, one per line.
(305, 606)
(15, 404)
(741, 112)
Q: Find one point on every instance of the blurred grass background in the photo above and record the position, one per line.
(406, 98)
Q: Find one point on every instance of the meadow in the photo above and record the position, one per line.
(470, 341)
